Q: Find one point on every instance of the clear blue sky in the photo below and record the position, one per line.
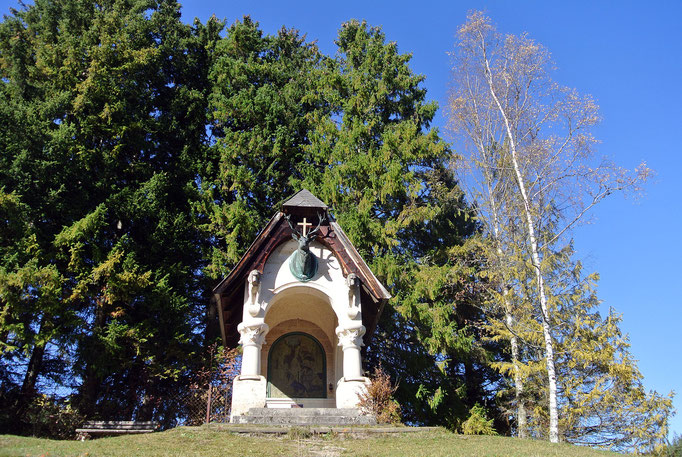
(628, 55)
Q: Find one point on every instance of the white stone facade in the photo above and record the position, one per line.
(327, 308)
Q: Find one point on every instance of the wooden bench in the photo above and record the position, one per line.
(91, 428)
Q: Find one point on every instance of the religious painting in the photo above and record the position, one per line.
(297, 367)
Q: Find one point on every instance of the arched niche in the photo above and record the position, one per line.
(297, 367)
(306, 310)
(301, 303)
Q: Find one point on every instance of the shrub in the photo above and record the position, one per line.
(478, 423)
(299, 433)
(52, 418)
(378, 399)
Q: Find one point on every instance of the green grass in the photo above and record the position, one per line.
(214, 441)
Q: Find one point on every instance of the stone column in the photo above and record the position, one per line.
(352, 385)
(252, 339)
(350, 339)
(248, 389)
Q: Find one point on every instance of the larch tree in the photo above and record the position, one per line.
(601, 397)
(532, 150)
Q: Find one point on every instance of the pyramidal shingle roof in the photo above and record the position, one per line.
(304, 198)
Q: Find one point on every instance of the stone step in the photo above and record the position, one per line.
(305, 421)
(352, 412)
(304, 417)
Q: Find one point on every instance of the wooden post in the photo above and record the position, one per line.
(208, 404)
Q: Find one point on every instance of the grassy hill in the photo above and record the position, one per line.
(216, 440)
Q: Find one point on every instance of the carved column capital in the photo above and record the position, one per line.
(252, 334)
(350, 337)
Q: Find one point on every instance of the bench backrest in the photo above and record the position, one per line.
(121, 425)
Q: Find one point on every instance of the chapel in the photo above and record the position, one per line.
(303, 304)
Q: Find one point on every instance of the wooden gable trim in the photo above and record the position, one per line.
(229, 293)
(331, 236)
(252, 252)
(378, 291)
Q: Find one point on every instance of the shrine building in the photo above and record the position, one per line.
(302, 303)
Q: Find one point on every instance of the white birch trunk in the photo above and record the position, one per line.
(521, 416)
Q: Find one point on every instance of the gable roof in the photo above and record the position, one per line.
(230, 291)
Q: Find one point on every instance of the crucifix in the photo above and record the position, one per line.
(305, 224)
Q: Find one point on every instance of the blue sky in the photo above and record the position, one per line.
(628, 55)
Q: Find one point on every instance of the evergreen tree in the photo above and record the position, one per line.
(110, 97)
(118, 212)
(262, 105)
(355, 130)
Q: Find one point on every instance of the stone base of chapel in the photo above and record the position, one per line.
(307, 417)
(284, 403)
(349, 392)
(249, 395)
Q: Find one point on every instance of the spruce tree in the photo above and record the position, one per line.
(110, 98)
(355, 130)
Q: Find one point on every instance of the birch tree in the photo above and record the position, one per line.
(532, 154)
